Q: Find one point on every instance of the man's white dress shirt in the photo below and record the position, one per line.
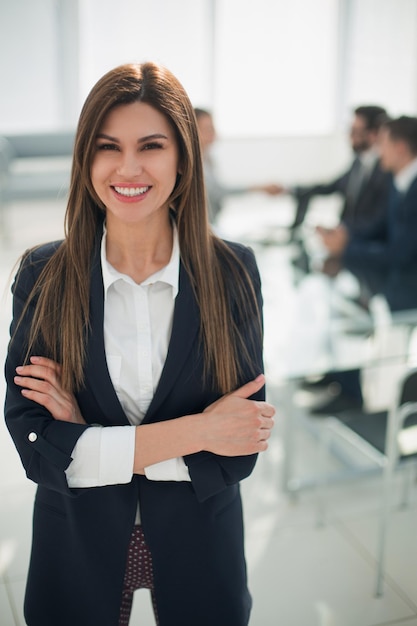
(405, 177)
(137, 329)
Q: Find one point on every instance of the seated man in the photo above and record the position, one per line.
(384, 256)
(389, 244)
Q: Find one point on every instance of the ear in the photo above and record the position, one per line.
(180, 165)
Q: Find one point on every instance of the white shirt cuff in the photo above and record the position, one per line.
(102, 456)
(172, 469)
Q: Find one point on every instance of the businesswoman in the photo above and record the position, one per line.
(135, 393)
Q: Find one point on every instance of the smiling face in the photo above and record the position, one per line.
(135, 165)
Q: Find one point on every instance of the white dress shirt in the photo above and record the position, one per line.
(137, 328)
(405, 177)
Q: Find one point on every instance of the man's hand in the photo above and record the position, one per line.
(334, 239)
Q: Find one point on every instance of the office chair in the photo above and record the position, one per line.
(380, 432)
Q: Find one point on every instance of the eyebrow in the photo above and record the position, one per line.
(141, 140)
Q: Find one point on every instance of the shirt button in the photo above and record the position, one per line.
(32, 437)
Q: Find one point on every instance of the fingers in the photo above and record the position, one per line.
(264, 426)
(43, 393)
(35, 384)
(238, 425)
(41, 368)
(40, 382)
(250, 388)
(265, 429)
(41, 385)
(265, 409)
(43, 360)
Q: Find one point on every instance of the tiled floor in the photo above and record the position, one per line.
(301, 574)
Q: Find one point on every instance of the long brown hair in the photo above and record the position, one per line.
(212, 266)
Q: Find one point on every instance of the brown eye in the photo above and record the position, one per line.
(154, 145)
(107, 146)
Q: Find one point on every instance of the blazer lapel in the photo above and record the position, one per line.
(97, 372)
(185, 329)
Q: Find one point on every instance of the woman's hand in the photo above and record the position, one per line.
(238, 426)
(41, 382)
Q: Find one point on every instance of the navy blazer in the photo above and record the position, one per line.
(80, 536)
(385, 255)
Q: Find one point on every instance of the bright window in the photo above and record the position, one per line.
(275, 67)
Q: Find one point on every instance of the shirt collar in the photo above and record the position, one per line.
(168, 274)
(405, 177)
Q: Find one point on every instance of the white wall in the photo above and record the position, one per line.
(381, 63)
(288, 160)
(28, 71)
(174, 33)
(52, 52)
(276, 66)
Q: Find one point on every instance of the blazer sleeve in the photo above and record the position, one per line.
(338, 185)
(210, 473)
(391, 241)
(44, 444)
(369, 246)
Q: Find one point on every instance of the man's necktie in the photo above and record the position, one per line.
(355, 181)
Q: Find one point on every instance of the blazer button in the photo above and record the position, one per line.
(32, 437)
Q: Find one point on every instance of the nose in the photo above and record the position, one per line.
(130, 164)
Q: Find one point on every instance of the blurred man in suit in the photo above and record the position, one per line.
(389, 245)
(217, 191)
(383, 256)
(364, 186)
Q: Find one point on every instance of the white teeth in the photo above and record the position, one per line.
(131, 191)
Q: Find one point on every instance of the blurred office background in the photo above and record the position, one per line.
(281, 78)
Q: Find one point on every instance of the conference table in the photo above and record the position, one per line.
(318, 322)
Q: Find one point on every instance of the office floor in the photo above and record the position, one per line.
(301, 573)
